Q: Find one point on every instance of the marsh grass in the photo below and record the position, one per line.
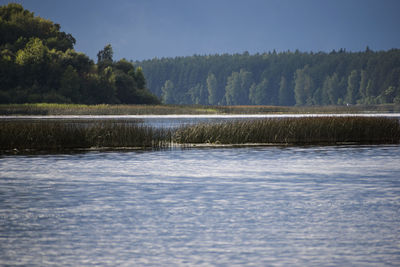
(48, 135)
(59, 135)
(309, 130)
(103, 109)
(76, 109)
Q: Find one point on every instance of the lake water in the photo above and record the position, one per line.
(243, 206)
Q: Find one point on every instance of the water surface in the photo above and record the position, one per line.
(289, 206)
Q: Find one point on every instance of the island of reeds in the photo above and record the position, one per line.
(19, 135)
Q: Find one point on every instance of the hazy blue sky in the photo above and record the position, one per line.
(144, 29)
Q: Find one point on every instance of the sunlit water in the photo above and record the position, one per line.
(258, 206)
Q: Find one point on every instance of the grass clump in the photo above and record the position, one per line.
(59, 135)
(309, 130)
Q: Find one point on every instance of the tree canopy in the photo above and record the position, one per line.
(38, 63)
(286, 78)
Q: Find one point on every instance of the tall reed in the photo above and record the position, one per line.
(59, 135)
(309, 130)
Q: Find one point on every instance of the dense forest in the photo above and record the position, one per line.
(38, 63)
(286, 78)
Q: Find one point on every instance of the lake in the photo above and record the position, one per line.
(226, 206)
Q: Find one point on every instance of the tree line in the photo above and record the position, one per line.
(38, 63)
(285, 78)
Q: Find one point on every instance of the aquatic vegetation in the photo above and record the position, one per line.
(308, 130)
(61, 135)
(102, 109)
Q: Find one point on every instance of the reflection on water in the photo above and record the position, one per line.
(212, 206)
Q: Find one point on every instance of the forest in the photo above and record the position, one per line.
(284, 78)
(38, 63)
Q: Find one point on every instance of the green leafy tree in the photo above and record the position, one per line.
(258, 93)
(198, 94)
(38, 63)
(106, 91)
(212, 87)
(285, 93)
(33, 53)
(124, 66)
(140, 80)
(363, 84)
(126, 88)
(303, 86)
(237, 88)
(70, 84)
(353, 85)
(388, 95)
(330, 89)
(105, 55)
(168, 92)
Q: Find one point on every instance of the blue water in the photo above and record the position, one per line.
(249, 206)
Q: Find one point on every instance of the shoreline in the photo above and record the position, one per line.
(192, 116)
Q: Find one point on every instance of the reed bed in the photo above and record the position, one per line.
(48, 135)
(309, 130)
(103, 109)
(59, 135)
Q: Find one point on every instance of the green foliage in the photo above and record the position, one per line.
(140, 80)
(168, 92)
(18, 26)
(303, 86)
(330, 92)
(259, 93)
(309, 78)
(105, 57)
(70, 84)
(38, 64)
(212, 87)
(353, 85)
(285, 97)
(198, 94)
(237, 88)
(33, 53)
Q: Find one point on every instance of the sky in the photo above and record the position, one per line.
(146, 29)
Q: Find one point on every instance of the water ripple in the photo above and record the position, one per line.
(294, 206)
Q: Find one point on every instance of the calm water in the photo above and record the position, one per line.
(291, 206)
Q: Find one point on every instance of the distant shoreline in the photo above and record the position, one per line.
(44, 109)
